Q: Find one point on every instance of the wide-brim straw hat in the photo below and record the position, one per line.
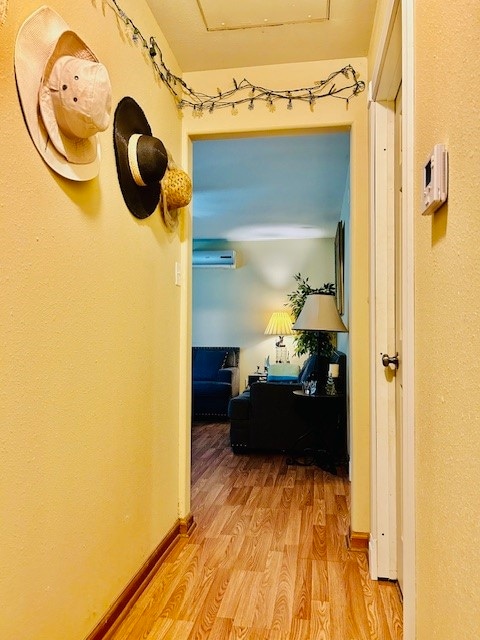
(141, 158)
(64, 132)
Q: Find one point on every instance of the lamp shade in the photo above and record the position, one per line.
(319, 313)
(280, 324)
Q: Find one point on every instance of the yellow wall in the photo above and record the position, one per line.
(328, 113)
(447, 311)
(91, 324)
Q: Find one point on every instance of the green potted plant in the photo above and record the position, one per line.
(309, 342)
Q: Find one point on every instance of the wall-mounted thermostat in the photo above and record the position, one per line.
(435, 180)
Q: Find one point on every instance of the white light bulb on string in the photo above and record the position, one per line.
(152, 50)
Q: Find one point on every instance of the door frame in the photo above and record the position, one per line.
(394, 64)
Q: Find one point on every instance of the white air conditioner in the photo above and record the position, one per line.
(226, 259)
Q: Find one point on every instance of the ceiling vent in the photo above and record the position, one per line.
(226, 259)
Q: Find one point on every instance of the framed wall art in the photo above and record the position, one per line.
(339, 266)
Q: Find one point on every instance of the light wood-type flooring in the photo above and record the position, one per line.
(268, 559)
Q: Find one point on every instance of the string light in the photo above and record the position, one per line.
(342, 84)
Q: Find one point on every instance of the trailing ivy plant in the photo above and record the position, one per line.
(306, 342)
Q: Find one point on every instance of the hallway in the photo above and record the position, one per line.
(267, 560)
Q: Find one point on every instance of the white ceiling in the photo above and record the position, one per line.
(279, 186)
(265, 188)
(222, 34)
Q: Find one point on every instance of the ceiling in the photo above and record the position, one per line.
(221, 34)
(276, 186)
(269, 188)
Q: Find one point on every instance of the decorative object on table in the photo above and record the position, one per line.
(333, 373)
(334, 369)
(280, 324)
(308, 342)
(330, 386)
(310, 387)
(319, 314)
(141, 158)
(64, 92)
(176, 188)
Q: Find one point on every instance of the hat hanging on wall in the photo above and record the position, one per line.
(176, 193)
(65, 94)
(141, 158)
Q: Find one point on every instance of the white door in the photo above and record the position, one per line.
(386, 325)
(390, 433)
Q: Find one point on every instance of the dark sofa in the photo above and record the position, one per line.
(269, 417)
(215, 380)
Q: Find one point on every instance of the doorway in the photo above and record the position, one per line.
(276, 200)
(332, 116)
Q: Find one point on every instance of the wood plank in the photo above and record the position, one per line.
(320, 624)
(268, 559)
(283, 612)
(265, 602)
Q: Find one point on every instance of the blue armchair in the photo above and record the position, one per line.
(215, 380)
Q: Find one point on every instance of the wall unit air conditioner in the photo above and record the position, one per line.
(226, 259)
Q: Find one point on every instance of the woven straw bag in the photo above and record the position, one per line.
(176, 193)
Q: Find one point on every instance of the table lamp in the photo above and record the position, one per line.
(319, 313)
(280, 324)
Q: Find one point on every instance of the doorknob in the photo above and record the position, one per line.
(388, 360)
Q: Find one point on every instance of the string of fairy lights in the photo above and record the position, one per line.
(342, 84)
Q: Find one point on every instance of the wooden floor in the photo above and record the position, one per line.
(268, 559)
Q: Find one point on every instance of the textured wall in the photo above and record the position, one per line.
(90, 325)
(447, 303)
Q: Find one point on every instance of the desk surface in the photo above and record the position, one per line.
(302, 394)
